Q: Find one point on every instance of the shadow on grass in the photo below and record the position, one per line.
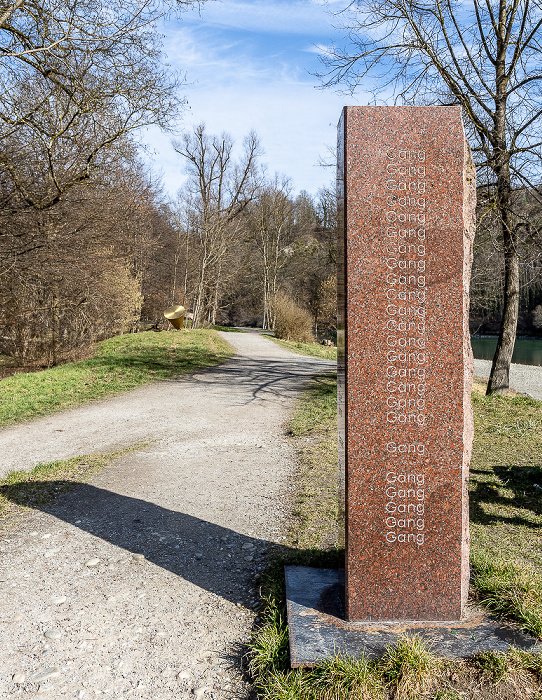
(525, 482)
(186, 359)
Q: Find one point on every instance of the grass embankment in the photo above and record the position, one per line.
(119, 364)
(227, 329)
(506, 554)
(326, 352)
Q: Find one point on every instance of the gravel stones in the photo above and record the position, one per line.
(92, 563)
(53, 634)
(199, 485)
(44, 675)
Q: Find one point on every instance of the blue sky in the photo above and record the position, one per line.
(249, 65)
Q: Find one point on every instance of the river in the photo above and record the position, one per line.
(527, 351)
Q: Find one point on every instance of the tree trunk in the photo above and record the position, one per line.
(266, 302)
(185, 289)
(500, 369)
(175, 266)
(264, 320)
(54, 321)
(199, 298)
(218, 282)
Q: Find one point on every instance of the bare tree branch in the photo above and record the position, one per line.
(489, 61)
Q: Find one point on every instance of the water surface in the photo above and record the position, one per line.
(527, 351)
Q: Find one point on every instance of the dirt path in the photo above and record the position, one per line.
(140, 584)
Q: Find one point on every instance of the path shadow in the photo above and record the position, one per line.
(215, 558)
(267, 380)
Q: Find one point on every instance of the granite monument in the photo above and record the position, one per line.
(407, 205)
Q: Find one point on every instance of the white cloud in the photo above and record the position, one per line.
(206, 62)
(242, 86)
(329, 3)
(318, 49)
(275, 16)
(295, 123)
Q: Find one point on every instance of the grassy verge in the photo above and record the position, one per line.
(120, 363)
(39, 487)
(506, 557)
(313, 349)
(313, 524)
(506, 507)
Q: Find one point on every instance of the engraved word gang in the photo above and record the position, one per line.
(405, 337)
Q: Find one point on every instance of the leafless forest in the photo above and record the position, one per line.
(90, 246)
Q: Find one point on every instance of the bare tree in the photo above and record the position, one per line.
(77, 271)
(486, 57)
(76, 76)
(270, 221)
(219, 190)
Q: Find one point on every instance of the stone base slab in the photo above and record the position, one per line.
(318, 630)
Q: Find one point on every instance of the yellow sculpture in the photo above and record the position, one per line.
(175, 315)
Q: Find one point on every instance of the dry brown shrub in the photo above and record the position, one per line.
(292, 322)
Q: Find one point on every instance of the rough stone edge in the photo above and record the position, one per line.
(469, 224)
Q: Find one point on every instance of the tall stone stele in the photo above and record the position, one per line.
(407, 204)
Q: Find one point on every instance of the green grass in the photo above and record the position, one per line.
(314, 424)
(312, 349)
(409, 667)
(39, 487)
(346, 677)
(119, 364)
(506, 507)
(506, 559)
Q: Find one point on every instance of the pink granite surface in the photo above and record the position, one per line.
(409, 195)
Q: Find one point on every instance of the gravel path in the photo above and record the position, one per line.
(141, 583)
(527, 379)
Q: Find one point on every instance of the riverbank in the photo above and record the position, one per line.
(525, 379)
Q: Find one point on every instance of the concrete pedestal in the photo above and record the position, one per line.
(318, 630)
